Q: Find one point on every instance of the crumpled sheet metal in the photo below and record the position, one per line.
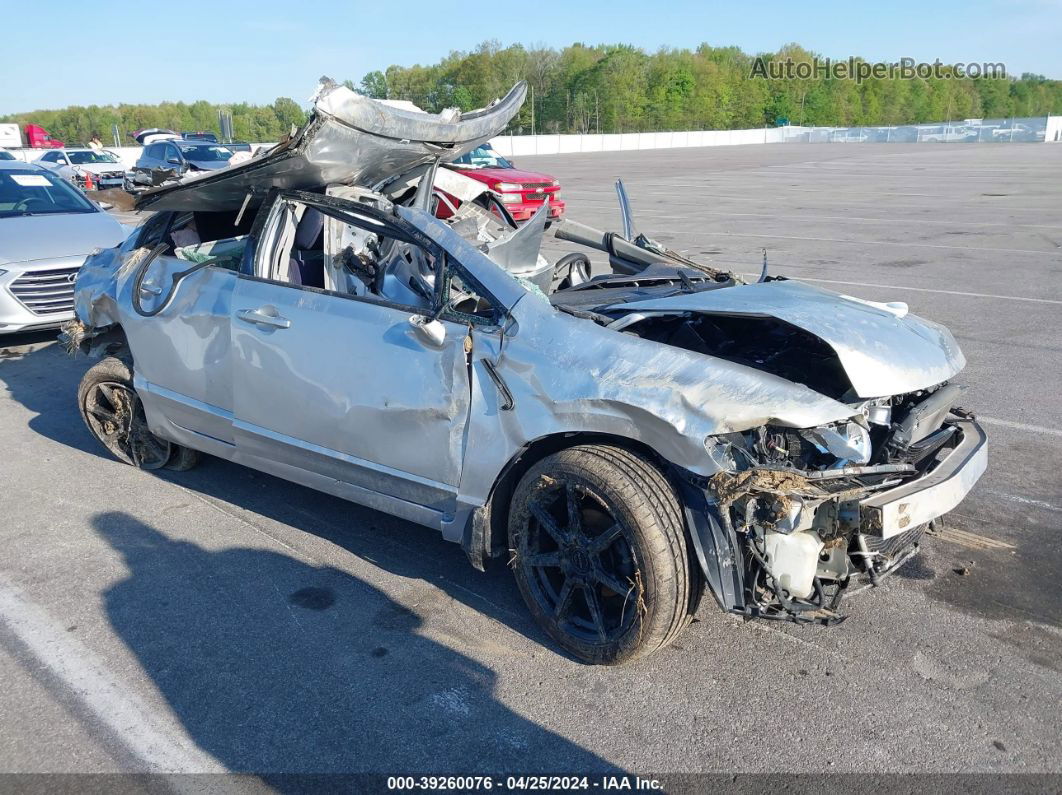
(519, 251)
(497, 281)
(351, 140)
(96, 286)
(866, 337)
(667, 398)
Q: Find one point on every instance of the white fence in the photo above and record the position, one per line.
(1054, 129)
(530, 145)
(523, 145)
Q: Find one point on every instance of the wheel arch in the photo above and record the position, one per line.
(486, 533)
(108, 341)
(713, 546)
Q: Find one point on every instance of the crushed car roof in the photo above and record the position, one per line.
(349, 139)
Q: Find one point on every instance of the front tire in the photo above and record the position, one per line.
(113, 413)
(600, 554)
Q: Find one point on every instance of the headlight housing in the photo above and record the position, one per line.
(849, 442)
(824, 447)
(508, 187)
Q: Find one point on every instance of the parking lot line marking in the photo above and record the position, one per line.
(969, 540)
(932, 290)
(98, 689)
(901, 243)
(1020, 426)
(1027, 501)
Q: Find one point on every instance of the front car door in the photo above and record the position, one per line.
(336, 388)
(174, 159)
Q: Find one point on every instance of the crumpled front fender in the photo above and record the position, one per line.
(97, 285)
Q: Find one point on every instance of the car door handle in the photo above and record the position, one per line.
(258, 317)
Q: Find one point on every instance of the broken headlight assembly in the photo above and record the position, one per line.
(776, 447)
(791, 498)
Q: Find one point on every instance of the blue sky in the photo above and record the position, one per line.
(64, 52)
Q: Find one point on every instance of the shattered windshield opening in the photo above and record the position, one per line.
(82, 158)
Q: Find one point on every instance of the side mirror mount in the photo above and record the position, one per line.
(429, 330)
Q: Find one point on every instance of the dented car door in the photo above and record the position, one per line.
(340, 391)
(177, 322)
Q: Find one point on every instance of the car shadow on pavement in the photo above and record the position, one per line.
(277, 666)
(43, 378)
(336, 526)
(40, 375)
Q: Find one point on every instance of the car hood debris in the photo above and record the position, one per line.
(883, 349)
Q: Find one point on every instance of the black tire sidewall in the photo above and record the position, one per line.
(660, 598)
(112, 369)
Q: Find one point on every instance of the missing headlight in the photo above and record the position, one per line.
(849, 442)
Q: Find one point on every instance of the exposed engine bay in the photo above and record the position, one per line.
(794, 499)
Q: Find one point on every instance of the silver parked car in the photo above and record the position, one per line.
(618, 440)
(47, 228)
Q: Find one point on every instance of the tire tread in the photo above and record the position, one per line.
(652, 500)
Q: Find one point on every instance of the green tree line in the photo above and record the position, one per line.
(620, 88)
(612, 88)
(75, 125)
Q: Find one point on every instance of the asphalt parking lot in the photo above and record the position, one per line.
(221, 619)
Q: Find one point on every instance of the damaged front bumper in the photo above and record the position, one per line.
(784, 544)
(920, 501)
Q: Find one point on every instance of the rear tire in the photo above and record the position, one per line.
(600, 554)
(182, 458)
(113, 413)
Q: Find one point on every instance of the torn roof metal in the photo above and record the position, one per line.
(350, 139)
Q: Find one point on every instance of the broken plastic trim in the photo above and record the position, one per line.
(625, 210)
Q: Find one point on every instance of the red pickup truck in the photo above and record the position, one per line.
(522, 192)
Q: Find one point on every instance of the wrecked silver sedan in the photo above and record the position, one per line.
(617, 440)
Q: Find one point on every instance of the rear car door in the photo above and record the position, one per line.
(335, 388)
(178, 332)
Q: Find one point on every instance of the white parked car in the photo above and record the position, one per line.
(73, 165)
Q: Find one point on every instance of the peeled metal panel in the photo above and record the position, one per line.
(351, 140)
